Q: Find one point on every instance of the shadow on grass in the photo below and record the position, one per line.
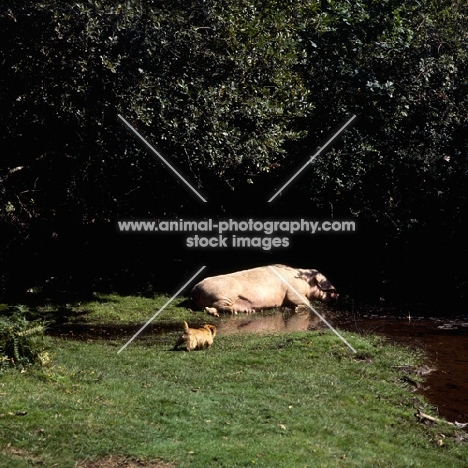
(85, 332)
(90, 316)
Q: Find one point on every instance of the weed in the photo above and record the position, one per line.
(21, 340)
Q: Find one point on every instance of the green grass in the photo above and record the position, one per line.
(282, 400)
(115, 309)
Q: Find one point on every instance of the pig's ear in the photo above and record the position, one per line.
(323, 283)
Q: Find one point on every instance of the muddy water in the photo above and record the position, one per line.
(444, 341)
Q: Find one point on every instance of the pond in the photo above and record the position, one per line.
(444, 341)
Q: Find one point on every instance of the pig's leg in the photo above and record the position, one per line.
(233, 307)
(221, 305)
(243, 306)
(300, 302)
(211, 311)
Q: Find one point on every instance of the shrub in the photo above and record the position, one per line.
(21, 341)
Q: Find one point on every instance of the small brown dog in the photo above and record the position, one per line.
(196, 338)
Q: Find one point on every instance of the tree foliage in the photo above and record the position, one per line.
(237, 94)
(212, 85)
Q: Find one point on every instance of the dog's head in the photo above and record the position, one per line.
(211, 329)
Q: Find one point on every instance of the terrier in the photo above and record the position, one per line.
(196, 338)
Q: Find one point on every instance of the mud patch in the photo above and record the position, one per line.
(85, 332)
(115, 461)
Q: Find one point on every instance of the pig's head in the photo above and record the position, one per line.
(320, 287)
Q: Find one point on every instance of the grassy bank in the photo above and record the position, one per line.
(281, 400)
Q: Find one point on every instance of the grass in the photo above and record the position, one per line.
(280, 400)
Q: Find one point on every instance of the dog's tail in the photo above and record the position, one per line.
(186, 327)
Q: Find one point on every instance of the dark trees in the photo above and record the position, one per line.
(237, 94)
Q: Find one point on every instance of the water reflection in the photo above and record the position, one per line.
(282, 321)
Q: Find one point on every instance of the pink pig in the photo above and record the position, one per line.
(261, 288)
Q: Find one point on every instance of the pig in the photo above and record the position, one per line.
(261, 288)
